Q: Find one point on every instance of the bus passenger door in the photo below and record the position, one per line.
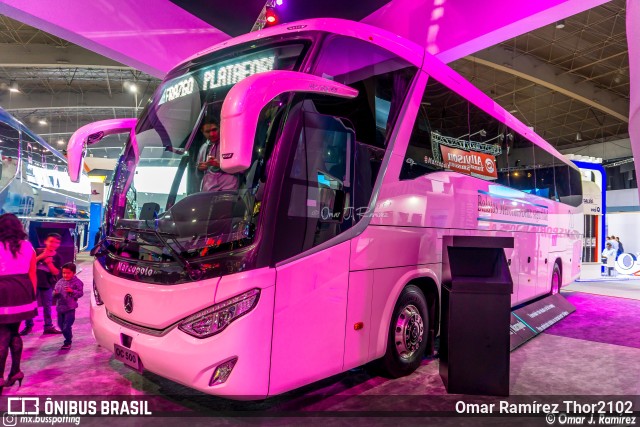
(312, 273)
(545, 264)
(528, 260)
(309, 318)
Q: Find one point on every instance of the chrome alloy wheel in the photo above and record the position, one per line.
(409, 331)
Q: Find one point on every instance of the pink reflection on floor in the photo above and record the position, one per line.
(604, 319)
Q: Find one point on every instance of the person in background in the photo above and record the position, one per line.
(66, 294)
(607, 253)
(208, 161)
(17, 293)
(614, 243)
(47, 268)
(620, 247)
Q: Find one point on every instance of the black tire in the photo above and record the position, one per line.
(556, 279)
(410, 324)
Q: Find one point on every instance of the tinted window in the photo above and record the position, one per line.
(318, 184)
(452, 134)
(563, 187)
(545, 177)
(381, 78)
(338, 145)
(522, 174)
(575, 179)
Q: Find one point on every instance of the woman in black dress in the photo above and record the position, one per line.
(17, 293)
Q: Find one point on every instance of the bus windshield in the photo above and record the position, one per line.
(169, 191)
(175, 216)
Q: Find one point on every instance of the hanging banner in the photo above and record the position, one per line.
(469, 162)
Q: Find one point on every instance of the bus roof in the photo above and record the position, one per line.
(402, 47)
(18, 125)
(406, 49)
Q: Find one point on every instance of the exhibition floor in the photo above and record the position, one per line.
(595, 350)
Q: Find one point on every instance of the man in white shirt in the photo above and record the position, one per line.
(213, 179)
(607, 254)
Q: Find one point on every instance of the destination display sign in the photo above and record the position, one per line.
(219, 76)
(223, 74)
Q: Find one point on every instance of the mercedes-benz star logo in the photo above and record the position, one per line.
(128, 303)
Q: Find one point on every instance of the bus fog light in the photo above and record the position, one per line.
(215, 319)
(96, 294)
(222, 372)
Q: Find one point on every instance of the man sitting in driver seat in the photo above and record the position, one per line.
(213, 179)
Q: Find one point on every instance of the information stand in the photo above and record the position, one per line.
(476, 309)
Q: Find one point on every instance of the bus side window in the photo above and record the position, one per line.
(545, 177)
(419, 159)
(563, 188)
(575, 186)
(441, 124)
(318, 183)
(522, 172)
(449, 128)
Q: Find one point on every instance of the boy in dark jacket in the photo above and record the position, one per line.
(66, 293)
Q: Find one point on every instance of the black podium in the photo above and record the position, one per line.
(476, 311)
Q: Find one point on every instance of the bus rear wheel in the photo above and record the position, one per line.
(407, 339)
(556, 279)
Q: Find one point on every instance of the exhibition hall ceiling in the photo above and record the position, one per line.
(236, 21)
(569, 82)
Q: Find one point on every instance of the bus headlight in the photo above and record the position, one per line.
(215, 319)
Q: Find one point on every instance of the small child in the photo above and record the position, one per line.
(66, 293)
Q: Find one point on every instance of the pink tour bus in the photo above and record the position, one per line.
(310, 242)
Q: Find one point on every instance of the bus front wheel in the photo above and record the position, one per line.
(407, 339)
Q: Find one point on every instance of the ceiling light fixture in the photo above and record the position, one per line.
(560, 24)
(42, 122)
(60, 142)
(13, 87)
(578, 136)
(130, 86)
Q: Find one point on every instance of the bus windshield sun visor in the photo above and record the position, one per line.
(90, 134)
(245, 101)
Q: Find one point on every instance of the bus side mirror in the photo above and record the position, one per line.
(245, 101)
(90, 134)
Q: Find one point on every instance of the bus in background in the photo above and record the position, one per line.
(35, 186)
(315, 245)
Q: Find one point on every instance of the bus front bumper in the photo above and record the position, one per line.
(192, 361)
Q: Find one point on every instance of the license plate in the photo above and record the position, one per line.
(128, 357)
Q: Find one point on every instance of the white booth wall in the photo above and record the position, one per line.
(625, 225)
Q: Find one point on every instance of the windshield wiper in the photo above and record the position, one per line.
(159, 235)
